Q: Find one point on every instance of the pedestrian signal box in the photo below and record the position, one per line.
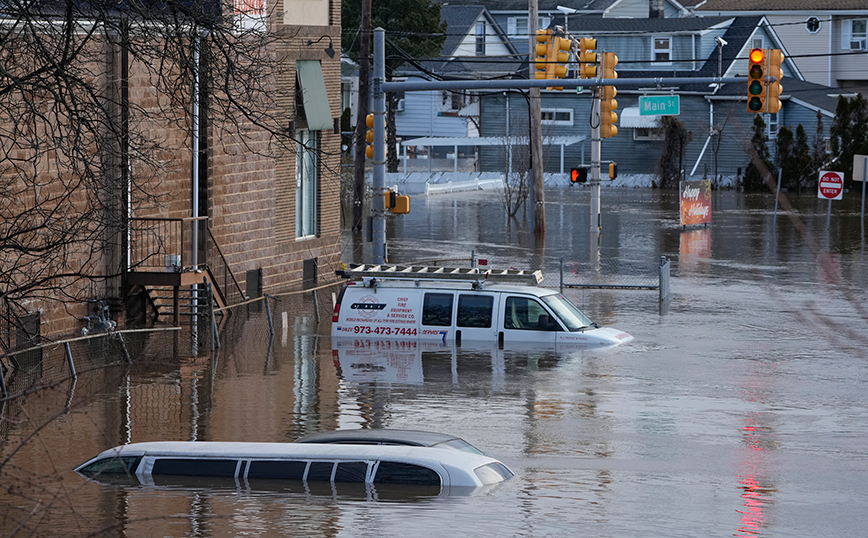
(397, 203)
(579, 175)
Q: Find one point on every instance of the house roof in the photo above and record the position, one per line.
(766, 6)
(616, 25)
(461, 21)
(544, 5)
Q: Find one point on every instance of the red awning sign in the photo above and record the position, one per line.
(831, 186)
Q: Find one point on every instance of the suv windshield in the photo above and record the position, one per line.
(572, 317)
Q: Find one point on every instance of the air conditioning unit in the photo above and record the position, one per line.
(400, 106)
(858, 44)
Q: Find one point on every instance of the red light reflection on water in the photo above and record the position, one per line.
(754, 481)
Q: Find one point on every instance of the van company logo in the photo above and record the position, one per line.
(368, 306)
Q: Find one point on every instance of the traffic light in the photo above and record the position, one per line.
(587, 58)
(543, 50)
(756, 81)
(609, 63)
(776, 58)
(579, 175)
(560, 58)
(608, 117)
(369, 136)
(397, 203)
(613, 170)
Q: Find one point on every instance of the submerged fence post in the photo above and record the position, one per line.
(124, 348)
(315, 307)
(215, 337)
(664, 278)
(69, 360)
(268, 313)
(562, 274)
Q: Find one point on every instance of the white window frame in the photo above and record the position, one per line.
(849, 37)
(480, 38)
(655, 51)
(513, 24)
(648, 133)
(306, 184)
(554, 112)
(808, 23)
(772, 123)
(757, 42)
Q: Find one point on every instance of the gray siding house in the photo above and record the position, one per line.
(717, 117)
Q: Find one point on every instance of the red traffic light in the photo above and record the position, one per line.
(757, 56)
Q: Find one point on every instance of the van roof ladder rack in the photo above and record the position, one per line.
(417, 272)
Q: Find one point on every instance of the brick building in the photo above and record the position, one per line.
(272, 208)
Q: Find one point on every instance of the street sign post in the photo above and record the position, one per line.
(659, 105)
(860, 173)
(830, 187)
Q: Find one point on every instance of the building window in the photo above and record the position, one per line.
(771, 126)
(480, 38)
(756, 43)
(855, 34)
(305, 184)
(648, 133)
(813, 25)
(557, 116)
(518, 26)
(662, 51)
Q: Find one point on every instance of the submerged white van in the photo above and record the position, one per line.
(446, 304)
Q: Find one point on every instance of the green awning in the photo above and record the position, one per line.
(313, 93)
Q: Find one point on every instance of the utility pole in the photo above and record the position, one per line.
(362, 111)
(378, 184)
(538, 196)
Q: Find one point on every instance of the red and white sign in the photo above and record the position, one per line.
(831, 186)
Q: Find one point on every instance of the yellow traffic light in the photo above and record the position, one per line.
(609, 63)
(543, 50)
(608, 117)
(613, 170)
(756, 81)
(369, 136)
(776, 58)
(560, 58)
(587, 58)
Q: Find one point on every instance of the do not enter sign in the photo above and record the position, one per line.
(831, 186)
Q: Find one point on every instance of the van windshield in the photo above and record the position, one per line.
(569, 314)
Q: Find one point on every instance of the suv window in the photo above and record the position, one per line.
(405, 473)
(351, 471)
(527, 314)
(493, 473)
(122, 465)
(194, 467)
(475, 310)
(437, 309)
(278, 470)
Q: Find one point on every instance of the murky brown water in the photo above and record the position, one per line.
(740, 411)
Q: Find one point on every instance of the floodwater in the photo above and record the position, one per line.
(740, 409)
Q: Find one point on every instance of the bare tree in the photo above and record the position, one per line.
(95, 101)
(516, 176)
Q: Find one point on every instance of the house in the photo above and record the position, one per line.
(476, 48)
(512, 15)
(660, 48)
(261, 193)
(827, 39)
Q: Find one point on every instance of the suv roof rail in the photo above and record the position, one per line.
(417, 272)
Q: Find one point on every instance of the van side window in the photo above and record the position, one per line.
(437, 309)
(405, 473)
(278, 470)
(194, 467)
(475, 310)
(527, 314)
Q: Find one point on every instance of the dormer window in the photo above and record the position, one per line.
(480, 38)
(661, 51)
